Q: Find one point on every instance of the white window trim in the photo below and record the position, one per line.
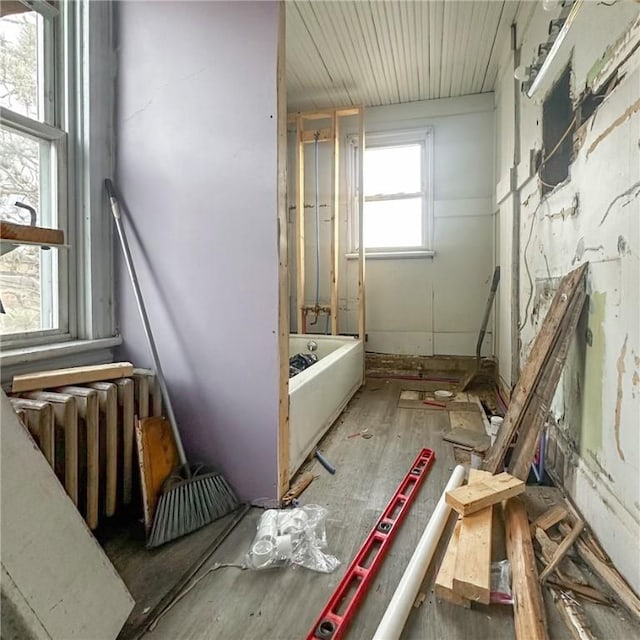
(88, 116)
(423, 136)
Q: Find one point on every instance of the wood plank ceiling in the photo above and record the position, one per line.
(363, 52)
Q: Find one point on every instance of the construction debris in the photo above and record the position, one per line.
(444, 579)
(536, 386)
(472, 575)
(298, 487)
(479, 495)
(572, 614)
(529, 613)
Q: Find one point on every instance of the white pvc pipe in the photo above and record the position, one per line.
(395, 617)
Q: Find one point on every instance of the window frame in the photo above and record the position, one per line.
(396, 138)
(84, 145)
(50, 127)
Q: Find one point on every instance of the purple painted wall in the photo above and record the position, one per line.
(196, 168)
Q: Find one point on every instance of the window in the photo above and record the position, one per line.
(397, 192)
(33, 176)
(56, 148)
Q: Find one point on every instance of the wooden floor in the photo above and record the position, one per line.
(281, 604)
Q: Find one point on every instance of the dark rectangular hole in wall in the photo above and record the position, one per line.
(557, 128)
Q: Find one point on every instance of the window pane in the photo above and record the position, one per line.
(389, 170)
(20, 72)
(393, 223)
(28, 274)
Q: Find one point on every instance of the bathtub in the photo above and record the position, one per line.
(318, 394)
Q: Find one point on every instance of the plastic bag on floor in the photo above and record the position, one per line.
(501, 583)
(292, 536)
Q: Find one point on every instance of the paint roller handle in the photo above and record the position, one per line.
(325, 463)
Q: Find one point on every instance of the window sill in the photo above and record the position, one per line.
(380, 255)
(47, 352)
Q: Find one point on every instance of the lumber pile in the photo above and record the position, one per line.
(532, 396)
(546, 553)
(557, 535)
(465, 572)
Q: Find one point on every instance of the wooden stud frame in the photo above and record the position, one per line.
(361, 300)
(300, 272)
(283, 268)
(325, 134)
(335, 224)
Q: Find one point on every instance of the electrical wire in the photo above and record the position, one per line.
(552, 152)
(548, 157)
(194, 583)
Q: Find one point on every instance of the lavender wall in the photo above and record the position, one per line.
(196, 167)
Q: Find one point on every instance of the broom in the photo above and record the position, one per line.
(192, 496)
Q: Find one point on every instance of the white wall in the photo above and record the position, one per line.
(595, 451)
(427, 305)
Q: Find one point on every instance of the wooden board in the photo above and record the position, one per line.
(538, 410)
(528, 609)
(567, 569)
(467, 438)
(549, 518)
(472, 576)
(303, 481)
(443, 586)
(533, 368)
(608, 574)
(562, 549)
(73, 375)
(572, 615)
(27, 233)
(468, 420)
(157, 458)
(491, 490)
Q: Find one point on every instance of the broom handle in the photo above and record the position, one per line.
(115, 209)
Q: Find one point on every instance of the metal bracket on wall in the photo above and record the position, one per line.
(332, 623)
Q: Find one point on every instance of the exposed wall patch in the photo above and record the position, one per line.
(616, 419)
(622, 245)
(594, 359)
(614, 125)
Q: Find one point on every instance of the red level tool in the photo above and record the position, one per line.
(337, 613)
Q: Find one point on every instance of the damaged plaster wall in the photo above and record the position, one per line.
(196, 156)
(594, 448)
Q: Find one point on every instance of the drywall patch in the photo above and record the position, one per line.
(591, 436)
(616, 416)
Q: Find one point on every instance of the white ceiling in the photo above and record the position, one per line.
(363, 52)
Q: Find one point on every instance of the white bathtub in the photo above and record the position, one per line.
(318, 395)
